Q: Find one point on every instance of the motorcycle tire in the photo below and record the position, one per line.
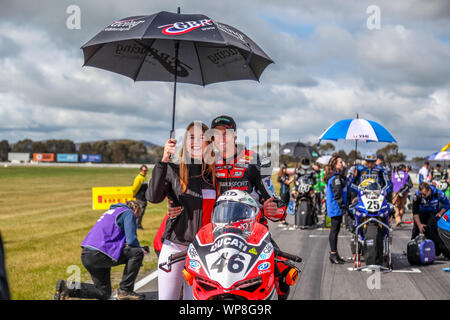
(304, 214)
(373, 245)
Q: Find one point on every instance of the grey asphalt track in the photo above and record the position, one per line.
(321, 280)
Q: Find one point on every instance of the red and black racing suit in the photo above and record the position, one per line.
(248, 172)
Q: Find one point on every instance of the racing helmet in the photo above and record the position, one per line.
(370, 156)
(305, 163)
(371, 188)
(234, 211)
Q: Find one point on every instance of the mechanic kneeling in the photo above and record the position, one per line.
(429, 205)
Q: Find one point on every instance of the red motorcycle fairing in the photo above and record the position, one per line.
(231, 266)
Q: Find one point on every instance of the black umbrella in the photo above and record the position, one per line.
(298, 150)
(189, 48)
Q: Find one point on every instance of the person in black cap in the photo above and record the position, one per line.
(240, 168)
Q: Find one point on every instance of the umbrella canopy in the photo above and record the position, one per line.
(357, 129)
(143, 49)
(442, 155)
(298, 150)
(188, 48)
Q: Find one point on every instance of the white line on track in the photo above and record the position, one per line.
(412, 270)
(145, 280)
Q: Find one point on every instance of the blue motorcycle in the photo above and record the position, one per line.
(372, 235)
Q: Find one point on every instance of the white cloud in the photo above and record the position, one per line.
(329, 66)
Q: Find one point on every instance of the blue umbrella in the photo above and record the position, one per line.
(358, 130)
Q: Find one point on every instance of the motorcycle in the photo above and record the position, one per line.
(305, 211)
(372, 235)
(233, 258)
(440, 184)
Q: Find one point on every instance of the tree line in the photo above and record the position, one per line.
(390, 152)
(117, 151)
(131, 151)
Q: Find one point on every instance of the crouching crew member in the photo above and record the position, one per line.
(111, 242)
(429, 205)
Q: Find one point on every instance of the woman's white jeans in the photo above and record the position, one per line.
(170, 283)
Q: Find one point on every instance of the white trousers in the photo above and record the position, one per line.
(170, 283)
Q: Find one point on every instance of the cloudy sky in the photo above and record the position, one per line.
(328, 66)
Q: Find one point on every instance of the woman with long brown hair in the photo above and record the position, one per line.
(190, 185)
(336, 202)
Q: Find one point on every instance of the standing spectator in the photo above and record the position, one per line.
(319, 186)
(285, 180)
(436, 173)
(402, 183)
(111, 242)
(424, 172)
(139, 189)
(336, 203)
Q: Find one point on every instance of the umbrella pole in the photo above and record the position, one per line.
(177, 46)
(356, 150)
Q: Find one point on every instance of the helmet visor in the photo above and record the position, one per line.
(230, 212)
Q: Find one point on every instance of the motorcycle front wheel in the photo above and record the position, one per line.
(373, 245)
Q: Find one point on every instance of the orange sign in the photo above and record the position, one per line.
(44, 157)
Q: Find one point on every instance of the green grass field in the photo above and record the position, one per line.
(45, 214)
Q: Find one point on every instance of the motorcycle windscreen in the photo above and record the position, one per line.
(231, 258)
(233, 217)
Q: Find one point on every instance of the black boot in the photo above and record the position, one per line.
(339, 258)
(334, 259)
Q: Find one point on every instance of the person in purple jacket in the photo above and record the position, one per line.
(111, 242)
(401, 182)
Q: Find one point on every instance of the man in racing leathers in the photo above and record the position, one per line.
(243, 169)
(369, 171)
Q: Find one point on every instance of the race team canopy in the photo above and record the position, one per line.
(357, 129)
(442, 155)
(188, 48)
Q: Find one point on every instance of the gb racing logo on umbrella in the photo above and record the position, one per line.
(184, 27)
